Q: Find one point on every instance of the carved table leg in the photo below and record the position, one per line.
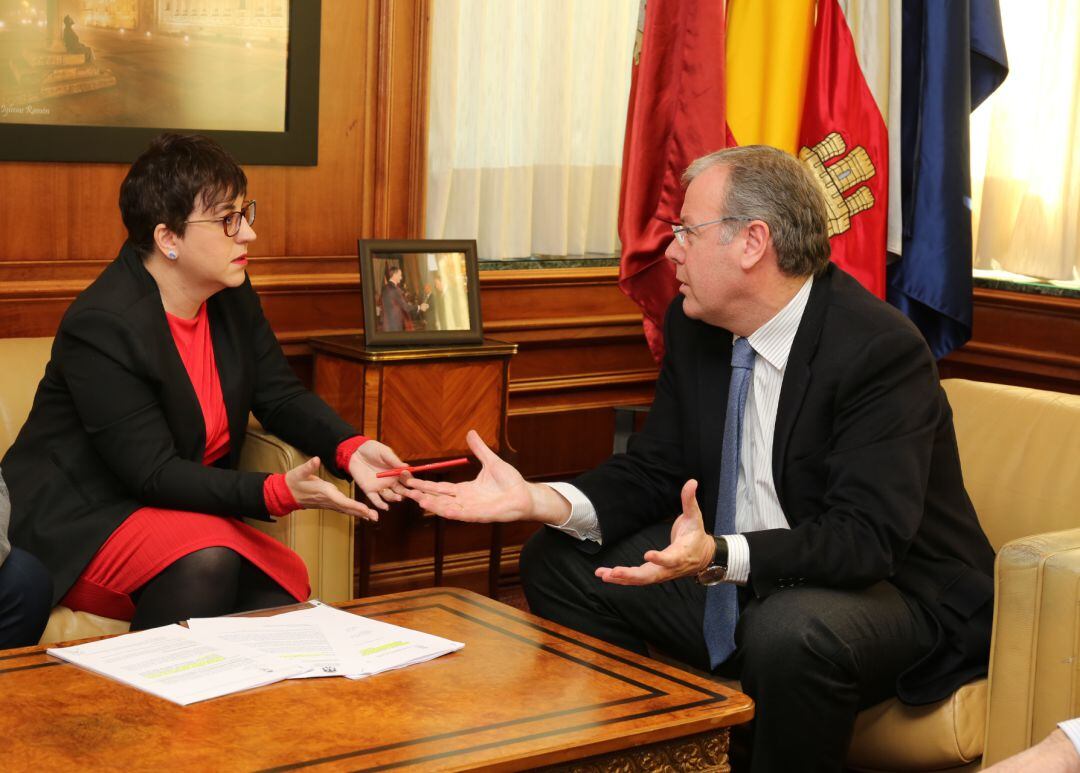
(704, 753)
(366, 536)
(440, 549)
(495, 560)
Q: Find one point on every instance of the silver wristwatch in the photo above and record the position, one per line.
(716, 571)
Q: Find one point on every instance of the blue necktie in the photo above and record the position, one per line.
(721, 601)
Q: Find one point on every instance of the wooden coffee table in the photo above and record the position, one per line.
(523, 694)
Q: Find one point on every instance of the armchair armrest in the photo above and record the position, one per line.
(322, 538)
(1034, 679)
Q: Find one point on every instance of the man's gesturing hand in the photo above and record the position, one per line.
(498, 493)
(690, 551)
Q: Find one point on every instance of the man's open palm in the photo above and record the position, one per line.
(498, 493)
(690, 550)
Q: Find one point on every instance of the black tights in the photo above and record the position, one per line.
(207, 583)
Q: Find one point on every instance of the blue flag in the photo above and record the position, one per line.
(953, 59)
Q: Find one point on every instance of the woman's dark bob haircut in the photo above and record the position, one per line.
(164, 182)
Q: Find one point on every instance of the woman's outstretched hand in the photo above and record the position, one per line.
(371, 458)
(311, 491)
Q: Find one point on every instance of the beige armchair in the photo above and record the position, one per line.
(1020, 451)
(323, 538)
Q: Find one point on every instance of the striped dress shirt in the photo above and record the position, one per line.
(757, 506)
(1071, 728)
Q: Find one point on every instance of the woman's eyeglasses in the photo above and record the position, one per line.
(231, 221)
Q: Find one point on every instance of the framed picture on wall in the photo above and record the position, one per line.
(95, 80)
(420, 292)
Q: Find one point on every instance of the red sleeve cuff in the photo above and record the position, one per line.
(346, 448)
(279, 500)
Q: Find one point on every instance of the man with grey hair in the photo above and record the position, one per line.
(25, 588)
(793, 512)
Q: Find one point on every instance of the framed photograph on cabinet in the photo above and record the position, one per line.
(420, 292)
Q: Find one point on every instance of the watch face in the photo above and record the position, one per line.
(713, 575)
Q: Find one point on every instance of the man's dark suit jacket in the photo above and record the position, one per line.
(116, 424)
(396, 310)
(865, 465)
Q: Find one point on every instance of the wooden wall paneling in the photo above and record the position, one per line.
(23, 309)
(1021, 338)
(401, 122)
(318, 211)
(56, 212)
(269, 186)
(88, 230)
(419, 125)
(549, 362)
(297, 314)
(553, 299)
(558, 445)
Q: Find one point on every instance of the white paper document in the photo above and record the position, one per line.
(222, 655)
(369, 647)
(177, 664)
(304, 644)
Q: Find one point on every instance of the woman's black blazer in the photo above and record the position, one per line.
(116, 424)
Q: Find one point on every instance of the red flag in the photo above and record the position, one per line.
(676, 114)
(845, 142)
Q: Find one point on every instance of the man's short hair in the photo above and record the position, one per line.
(765, 183)
(163, 183)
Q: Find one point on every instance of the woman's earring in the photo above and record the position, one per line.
(171, 255)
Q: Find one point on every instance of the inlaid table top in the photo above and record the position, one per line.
(523, 693)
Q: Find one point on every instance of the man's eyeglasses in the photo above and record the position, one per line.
(231, 221)
(681, 230)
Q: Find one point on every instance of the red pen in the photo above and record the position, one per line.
(419, 467)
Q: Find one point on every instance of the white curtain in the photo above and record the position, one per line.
(526, 119)
(1025, 143)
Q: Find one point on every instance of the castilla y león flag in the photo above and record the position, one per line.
(797, 81)
(844, 140)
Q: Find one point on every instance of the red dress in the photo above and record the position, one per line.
(152, 538)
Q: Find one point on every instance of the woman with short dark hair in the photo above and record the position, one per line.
(123, 479)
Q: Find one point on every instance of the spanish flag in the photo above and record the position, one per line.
(795, 81)
(768, 57)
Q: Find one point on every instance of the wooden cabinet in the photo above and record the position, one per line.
(420, 401)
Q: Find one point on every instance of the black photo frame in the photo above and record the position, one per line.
(297, 145)
(420, 292)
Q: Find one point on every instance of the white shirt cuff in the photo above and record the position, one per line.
(1071, 728)
(738, 568)
(582, 523)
